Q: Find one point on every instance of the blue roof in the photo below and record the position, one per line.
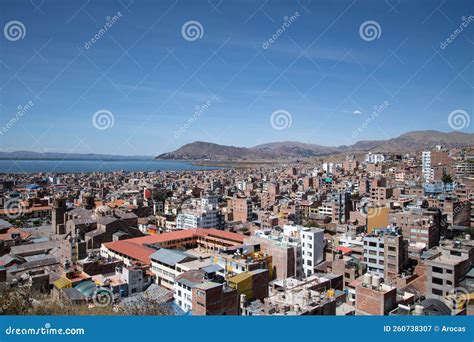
(33, 186)
(87, 288)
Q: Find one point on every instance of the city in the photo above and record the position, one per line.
(188, 170)
(366, 234)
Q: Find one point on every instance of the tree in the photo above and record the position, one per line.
(447, 178)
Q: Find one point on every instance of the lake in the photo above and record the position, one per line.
(71, 166)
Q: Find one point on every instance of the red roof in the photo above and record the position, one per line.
(6, 235)
(344, 250)
(135, 248)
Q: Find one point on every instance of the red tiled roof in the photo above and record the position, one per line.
(6, 236)
(135, 248)
(344, 250)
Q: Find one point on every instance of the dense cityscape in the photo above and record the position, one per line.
(348, 234)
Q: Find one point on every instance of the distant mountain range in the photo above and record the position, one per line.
(288, 150)
(29, 155)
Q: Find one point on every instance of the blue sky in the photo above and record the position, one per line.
(319, 70)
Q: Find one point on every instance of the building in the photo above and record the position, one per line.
(385, 253)
(140, 249)
(312, 248)
(164, 264)
(286, 255)
(435, 164)
(210, 299)
(183, 289)
(241, 208)
(200, 213)
(316, 295)
(420, 225)
(373, 297)
(447, 267)
(374, 158)
(252, 284)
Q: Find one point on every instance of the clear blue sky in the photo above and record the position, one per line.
(151, 79)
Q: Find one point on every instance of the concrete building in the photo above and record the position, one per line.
(312, 246)
(373, 297)
(241, 208)
(183, 289)
(374, 158)
(447, 267)
(210, 299)
(385, 253)
(286, 254)
(420, 225)
(316, 295)
(435, 164)
(200, 213)
(164, 265)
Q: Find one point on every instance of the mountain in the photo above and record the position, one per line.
(287, 150)
(200, 150)
(19, 155)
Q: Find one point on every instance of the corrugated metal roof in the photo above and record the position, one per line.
(170, 257)
(62, 283)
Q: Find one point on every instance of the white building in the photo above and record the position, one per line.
(426, 169)
(328, 167)
(312, 245)
(199, 213)
(374, 158)
(374, 254)
(183, 288)
(135, 278)
(325, 209)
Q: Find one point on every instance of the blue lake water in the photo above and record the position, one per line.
(70, 166)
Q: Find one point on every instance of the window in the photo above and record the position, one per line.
(437, 269)
(438, 281)
(437, 292)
